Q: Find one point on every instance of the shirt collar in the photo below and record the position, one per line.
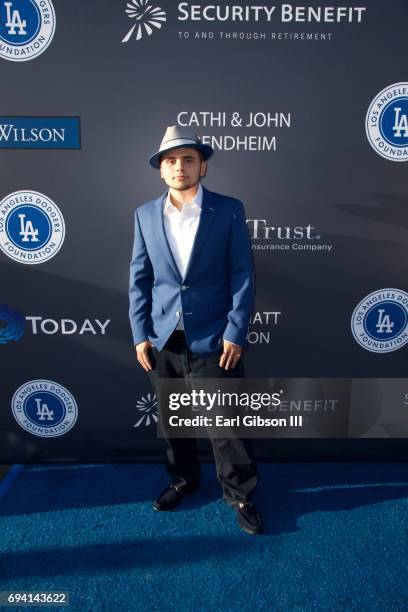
(197, 201)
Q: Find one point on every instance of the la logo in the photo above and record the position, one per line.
(384, 322)
(401, 124)
(27, 230)
(43, 412)
(14, 20)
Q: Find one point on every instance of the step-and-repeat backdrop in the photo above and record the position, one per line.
(306, 107)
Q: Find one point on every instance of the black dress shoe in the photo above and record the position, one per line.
(172, 496)
(248, 517)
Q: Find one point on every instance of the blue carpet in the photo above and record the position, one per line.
(336, 539)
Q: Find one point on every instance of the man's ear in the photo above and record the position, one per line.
(203, 168)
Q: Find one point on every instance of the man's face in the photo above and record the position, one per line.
(182, 169)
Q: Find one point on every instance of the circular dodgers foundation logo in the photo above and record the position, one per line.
(32, 227)
(387, 122)
(44, 408)
(26, 28)
(380, 321)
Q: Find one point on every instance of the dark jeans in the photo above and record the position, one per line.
(236, 469)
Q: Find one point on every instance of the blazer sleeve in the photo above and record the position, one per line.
(140, 287)
(241, 278)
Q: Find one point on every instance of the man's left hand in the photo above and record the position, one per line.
(230, 356)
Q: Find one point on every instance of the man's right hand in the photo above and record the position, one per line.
(142, 352)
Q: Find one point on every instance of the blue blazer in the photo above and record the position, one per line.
(216, 294)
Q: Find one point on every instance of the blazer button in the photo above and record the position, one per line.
(178, 313)
(184, 287)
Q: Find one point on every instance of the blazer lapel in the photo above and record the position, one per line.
(206, 219)
(158, 226)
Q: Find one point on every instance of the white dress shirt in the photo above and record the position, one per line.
(181, 228)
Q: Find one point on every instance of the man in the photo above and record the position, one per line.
(191, 295)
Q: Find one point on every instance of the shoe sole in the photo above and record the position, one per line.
(168, 509)
(251, 532)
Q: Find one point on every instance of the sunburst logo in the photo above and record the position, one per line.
(146, 16)
(147, 405)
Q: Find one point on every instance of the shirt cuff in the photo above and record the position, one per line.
(234, 343)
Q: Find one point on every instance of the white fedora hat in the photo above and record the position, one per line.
(177, 137)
